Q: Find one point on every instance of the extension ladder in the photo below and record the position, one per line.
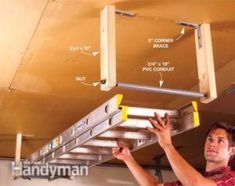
(90, 140)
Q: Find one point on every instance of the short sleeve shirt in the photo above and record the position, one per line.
(222, 176)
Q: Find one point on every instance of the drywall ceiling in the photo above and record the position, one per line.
(46, 47)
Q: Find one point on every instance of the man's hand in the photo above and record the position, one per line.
(122, 152)
(143, 177)
(162, 129)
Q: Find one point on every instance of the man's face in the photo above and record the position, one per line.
(217, 146)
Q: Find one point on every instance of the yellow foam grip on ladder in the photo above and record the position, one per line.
(196, 120)
(124, 113)
(124, 108)
(119, 99)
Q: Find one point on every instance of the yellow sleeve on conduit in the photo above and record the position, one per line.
(196, 120)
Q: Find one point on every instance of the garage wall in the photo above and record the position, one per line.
(98, 176)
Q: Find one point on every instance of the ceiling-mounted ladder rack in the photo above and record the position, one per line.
(204, 53)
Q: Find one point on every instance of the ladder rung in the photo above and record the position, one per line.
(92, 150)
(80, 157)
(72, 162)
(136, 123)
(142, 124)
(102, 143)
(146, 112)
(126, 135)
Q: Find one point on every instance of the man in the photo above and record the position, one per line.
(219, 148)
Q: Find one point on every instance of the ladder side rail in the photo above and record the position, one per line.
(98, 115)
(86, 136)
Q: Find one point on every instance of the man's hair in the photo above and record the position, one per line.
(230, 130)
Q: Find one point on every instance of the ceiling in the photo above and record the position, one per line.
(41, 63)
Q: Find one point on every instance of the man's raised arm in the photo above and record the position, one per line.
(186, 174)
(142, 176)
